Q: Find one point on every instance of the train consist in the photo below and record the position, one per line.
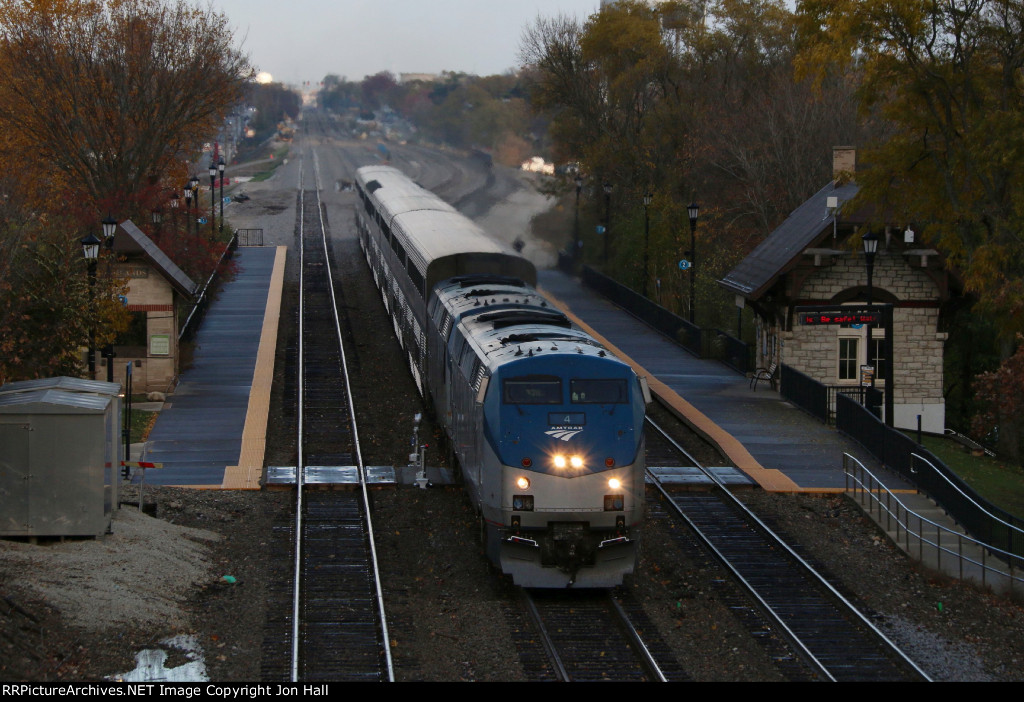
(546, 424)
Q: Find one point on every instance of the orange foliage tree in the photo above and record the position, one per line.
(102, 105)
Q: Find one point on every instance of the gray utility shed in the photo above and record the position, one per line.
(58, 461)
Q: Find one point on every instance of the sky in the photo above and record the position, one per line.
(304, 40)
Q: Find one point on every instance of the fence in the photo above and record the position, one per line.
(195, 317)
(702, 343)
(976, 559)
(249, 237)
(819, 399)
(904, 456)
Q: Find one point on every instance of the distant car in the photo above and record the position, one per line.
(241, 197)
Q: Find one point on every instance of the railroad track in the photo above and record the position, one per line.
(334, 628)
(593, 636)
(832, 638)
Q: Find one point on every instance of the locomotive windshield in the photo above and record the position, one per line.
(604, 391)
(533, 390)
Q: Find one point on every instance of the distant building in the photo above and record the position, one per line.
(404, 78)
(815, 258)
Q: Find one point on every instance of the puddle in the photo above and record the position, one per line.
(149, 664)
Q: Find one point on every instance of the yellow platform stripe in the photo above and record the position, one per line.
(246, 475)
(768, 478)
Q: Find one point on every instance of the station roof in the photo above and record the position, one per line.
(129, 239)
(781, 250)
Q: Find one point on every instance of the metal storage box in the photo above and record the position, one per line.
(59, 458)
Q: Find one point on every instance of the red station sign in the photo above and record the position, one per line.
(838, 315)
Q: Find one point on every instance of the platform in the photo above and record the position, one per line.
(779, 446)
(211, 432)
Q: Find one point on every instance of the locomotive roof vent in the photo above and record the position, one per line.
(373, 186)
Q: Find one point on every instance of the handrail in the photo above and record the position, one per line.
(968, 497)
(876, 496)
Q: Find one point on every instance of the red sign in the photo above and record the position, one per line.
(839, 315)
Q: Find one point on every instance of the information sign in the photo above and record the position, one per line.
(839, 315)
(685, 265)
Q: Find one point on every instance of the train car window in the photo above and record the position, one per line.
(532, 390)
(603, 391)
(399, 249)
(417, 279)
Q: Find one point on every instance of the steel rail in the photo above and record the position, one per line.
(545, 638)
(837, 596)
(355, 433)
(299, 465)
(638, 643)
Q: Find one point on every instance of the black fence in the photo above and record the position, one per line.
(702, 343)
(804, 392)
(195, 317)
(819, 399)
(903, 455)
(249, 237)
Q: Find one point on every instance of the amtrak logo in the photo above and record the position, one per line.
(564, 433)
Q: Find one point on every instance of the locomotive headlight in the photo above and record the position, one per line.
(523, 483)
(614, 483)
(560, 461)
(576, 461)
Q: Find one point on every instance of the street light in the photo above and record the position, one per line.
(576, 224)
(647, 236)
(213, 198)
(220, 169)
(195, 196)
(607, 218)
(91, 251)
(693, 211)
(870, 243)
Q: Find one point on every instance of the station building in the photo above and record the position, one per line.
(155, 286)
(815, 257)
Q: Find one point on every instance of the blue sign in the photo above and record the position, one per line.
(123, 299)
(202, 220)
(601, 229)
(685, 265)
(227, 199)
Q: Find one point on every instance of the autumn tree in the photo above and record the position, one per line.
(102, 103)
(948, 78)
(112, 96)
(688, 101)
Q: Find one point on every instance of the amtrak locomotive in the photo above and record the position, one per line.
(545, 423)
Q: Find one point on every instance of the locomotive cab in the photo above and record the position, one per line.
(567, 502)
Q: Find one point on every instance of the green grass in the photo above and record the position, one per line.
(279, 157)
(142, 422)
(999, 482)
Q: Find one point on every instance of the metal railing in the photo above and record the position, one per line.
(985, 520)
(191, 326)
(976, 560)
(249, 237)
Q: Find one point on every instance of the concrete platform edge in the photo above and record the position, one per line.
(769, 479)
(247, 474)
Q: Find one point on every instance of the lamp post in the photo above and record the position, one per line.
(91, 251)
(109, 225)
(576, 223)
(647, 236)
(188, 206)
(607, 218)
(870, 243)
(693, 211)
(220, 169)
(213, 200)
(194, 183)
